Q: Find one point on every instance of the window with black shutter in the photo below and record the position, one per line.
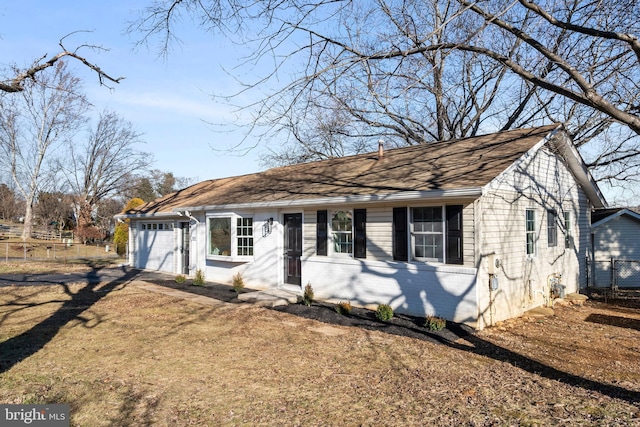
(321, 233)
(400, 234)
(454, 234)
(360, 237)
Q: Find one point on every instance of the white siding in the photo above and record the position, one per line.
(540, 182)
(415, 288)
(265, 268)
(617, 238)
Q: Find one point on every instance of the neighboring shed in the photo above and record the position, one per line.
(475, 230)
(615, 236)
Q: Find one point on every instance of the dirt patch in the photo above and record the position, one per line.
(120, 355)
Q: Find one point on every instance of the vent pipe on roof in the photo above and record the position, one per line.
(380, 148)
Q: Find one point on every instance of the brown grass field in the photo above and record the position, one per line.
(121, 355)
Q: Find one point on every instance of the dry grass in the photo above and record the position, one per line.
(123, 356)
(34, 249)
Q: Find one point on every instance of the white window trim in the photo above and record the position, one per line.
(332, 251)
(413, 233)
(533, 232)
(568, 231)
(149, 225)
(233, 257)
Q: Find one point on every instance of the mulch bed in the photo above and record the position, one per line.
(400, 324)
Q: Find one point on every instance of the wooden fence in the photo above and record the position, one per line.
(50, 251)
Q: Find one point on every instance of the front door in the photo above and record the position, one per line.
(292, 248)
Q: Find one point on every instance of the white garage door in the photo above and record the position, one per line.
(156, 244)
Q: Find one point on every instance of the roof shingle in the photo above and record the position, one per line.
(445, 165)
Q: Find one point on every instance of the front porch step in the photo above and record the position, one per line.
(269, 298)
(576, 299)
(539, 312)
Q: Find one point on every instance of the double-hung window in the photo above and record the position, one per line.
(530, 231)
(428, 236)
(229, 236)
(434, 233)
(342, 232)
(552, 228)
(346, 232)
(568, 237)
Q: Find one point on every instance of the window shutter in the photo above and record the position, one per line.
(321, 233)
(360, 229)
(400, 234)
(454, 235)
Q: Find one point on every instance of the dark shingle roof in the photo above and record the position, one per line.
(446, 165)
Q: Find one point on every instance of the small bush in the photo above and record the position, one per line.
(434, 323)
(238, 283)
(181, 278)
(307, 296)
(343, 307)
(384, 312)
(199, 279)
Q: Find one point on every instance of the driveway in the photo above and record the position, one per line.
(106, 274)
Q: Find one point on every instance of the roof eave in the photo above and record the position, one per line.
(621, 212)
(581, 173)
(404, 196)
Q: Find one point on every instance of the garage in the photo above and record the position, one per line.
(156, 245)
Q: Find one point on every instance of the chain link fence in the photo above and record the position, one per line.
(626, 274)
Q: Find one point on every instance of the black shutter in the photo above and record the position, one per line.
(321, 233)
(454, 235)
(400, 234)
(360, 236)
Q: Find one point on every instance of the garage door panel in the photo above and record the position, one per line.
(156, 249)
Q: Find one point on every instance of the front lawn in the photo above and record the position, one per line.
(120, 355)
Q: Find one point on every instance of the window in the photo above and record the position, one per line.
(347, 233)
(244, 233)
(428, 239)
(228, 241)
(568, 238)
(220, 236)
(530, 231)
(552, 228)
(341, 231)
(435, 233)
(168, 226)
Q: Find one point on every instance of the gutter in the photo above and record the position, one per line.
(404, 196)
(471, 192)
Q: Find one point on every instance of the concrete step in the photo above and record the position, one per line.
(269, 298)
(539, 312)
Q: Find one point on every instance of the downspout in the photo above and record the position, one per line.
(195, 230)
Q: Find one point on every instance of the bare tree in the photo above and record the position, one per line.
(17, 83)
(54, 210)
(9, 205)
(33, 124)
(101, 166)
(415, 71)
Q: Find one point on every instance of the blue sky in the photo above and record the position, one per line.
(167, 100)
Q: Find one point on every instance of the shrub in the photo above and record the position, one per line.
(181, 278)
(384, 312)
(238, 283)
(199, 279)
(343, 307)
(307, 296)
(434, 323)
